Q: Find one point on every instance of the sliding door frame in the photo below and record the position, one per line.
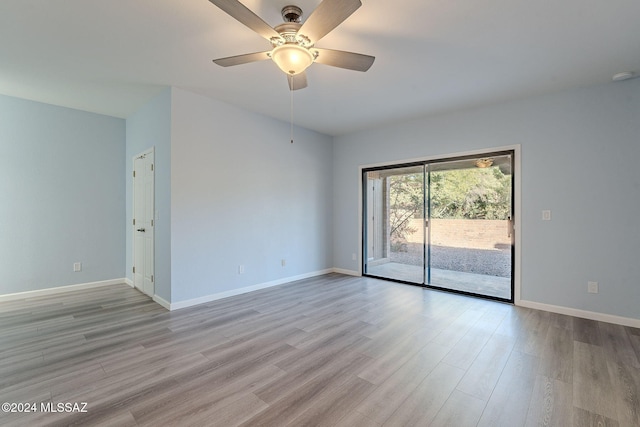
(514, 151)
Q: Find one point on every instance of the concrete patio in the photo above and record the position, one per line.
(493, 286)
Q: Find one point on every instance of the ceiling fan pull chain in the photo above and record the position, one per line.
(291, 77)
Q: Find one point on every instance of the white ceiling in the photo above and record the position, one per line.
(432, 56)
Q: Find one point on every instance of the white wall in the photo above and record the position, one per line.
(61, 196)
(580, 158)
(148, 127)
(242, 194)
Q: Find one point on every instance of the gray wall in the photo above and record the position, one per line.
(242, 194)
(61, 196)
(148, 127)
(580, 158)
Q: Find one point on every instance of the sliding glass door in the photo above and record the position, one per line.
(395, 223)
(445, 224)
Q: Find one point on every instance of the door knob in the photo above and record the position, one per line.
(141, 229)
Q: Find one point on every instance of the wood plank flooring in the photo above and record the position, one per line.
(329, 351)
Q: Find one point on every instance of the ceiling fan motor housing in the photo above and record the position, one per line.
(289, 34)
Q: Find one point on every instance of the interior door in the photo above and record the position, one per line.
(143, 222)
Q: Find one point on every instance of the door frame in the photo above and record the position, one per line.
(516, 201)
(147, 152)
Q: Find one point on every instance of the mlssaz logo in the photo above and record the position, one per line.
(67, 407)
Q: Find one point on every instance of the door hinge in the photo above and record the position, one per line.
(152, 277)
(134, 270)
(134, 221)
(134, 174)
(152, 223)
(151, 167)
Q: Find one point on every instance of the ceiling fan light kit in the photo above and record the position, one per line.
(292, 43)
(291, 58)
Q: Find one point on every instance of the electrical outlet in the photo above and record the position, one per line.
(283, 262)
(241, 269)
(546, 215)
(77, 266)
(592, 287)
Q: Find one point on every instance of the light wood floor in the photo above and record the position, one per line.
(333, 350)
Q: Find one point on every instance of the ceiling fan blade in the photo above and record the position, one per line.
(299, 81)
(237, 10)
(242, 59)
(341, 59)
(327, 16)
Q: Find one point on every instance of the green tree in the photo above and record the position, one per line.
(455, 194)
(405, 203)
(471, 194)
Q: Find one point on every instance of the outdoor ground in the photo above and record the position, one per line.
(492, 262)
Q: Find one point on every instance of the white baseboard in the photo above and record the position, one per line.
(60, 289)
(155, 298)
(591, 315)
(347, 272)
(166, 304)
(233, 292)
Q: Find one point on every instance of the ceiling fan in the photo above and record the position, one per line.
(293, 42)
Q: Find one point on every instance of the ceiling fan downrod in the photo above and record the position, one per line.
(291, 14)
